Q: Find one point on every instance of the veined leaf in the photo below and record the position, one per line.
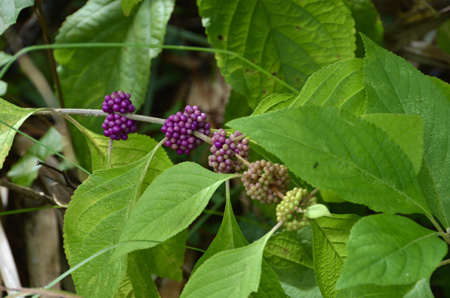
(10, 10)
(342, 153)
(291, 40)
(289, 247)
(390, 250)
(175, 198)
(338, 85)
(393, 85)
(13, 116)
(420, 290)
(141, 278)
(88, 74)
(330, 236)
(94, 220)
(405, 130)
(273, 102)
(370, 291)
(230, 273)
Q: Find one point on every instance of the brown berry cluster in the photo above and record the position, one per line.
(291, 209)
(263, 179)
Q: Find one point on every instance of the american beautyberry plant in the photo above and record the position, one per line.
(338, 146)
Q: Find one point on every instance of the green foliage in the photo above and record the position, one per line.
(393, 85)
(411, 251)
(443, 37)
(25, 171)
(127, 6)
(10, 116)
(10, 10)
(330, 235)
(356, 160)
(277, 38)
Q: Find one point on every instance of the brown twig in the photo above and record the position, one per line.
(26, 191)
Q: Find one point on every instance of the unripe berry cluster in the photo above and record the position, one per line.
(263, 179)
(179, 129)
(223, 158)
(291, 209)
(116, 126)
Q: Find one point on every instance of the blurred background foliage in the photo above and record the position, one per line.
(418, 30)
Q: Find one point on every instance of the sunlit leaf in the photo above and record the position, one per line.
(9, 11)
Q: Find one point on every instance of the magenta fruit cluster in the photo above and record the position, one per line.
(179, 129)
(117, 126)
(224, 150)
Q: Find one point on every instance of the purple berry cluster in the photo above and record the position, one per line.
(179, 129)
(223, 158)
(263, 179)
(116, 126)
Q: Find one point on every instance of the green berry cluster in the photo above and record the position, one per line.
(263, 179)
(291, 209)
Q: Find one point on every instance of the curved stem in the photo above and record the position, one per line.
(444, 262)
(138, 45)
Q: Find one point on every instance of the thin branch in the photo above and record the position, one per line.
(26, 191)
(444, 262)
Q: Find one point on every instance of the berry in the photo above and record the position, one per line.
(179, 129)
(223, 158)
(116, 126)
(263, 179)
(290, 210)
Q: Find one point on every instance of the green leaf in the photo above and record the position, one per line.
(13, 116)
(273, 102)
(165, 259)
(330, 235)
(337, 85)
(10, 10)
(390, 250)
(229, 237)
(406, 131)
(3, 87)
(443, 37)
(94, 220)
(123, 153)
(88, 74)
(127, 6)
(141, 277)
(367, 21)
(4, 58)
(290, 247)
(355, 159)
(420, 290)
(290, 41)
(366, 291)
(393, 85)
(175, 198)
(25, 171)
(317, 211)
(230, 273)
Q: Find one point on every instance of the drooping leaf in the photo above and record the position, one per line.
(25, 171)
(88, 74)
(231, 273)
(94, 220)
(405, 130)
(9, 11)
(229, 237)
(367, 21)
(355, 159)
(175, 198)
(330, 235)
(290, 247)
(273, 102)
(393, 85)
(390, 250)
(127, 6)
(290, 41)
(337, 85)
(13, 116)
